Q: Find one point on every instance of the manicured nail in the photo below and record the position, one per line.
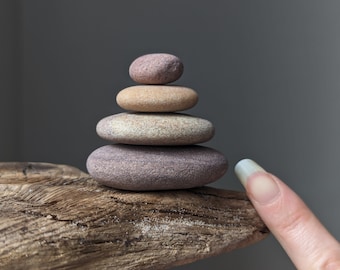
(246, 167)
(261, 187)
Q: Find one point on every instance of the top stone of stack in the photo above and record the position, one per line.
(156, 68)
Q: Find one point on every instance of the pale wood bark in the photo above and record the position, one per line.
(57, 217)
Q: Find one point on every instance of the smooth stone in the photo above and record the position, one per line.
(155, 129)
(156, 168)
(156, 68)
(157, 98)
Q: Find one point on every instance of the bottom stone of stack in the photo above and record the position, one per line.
(142, 168)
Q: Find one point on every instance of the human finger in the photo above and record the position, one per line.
(303, 237)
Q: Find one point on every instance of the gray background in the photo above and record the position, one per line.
(267, 73)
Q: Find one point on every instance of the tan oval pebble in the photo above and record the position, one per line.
(156, 68)
(157, 98)
(155, 129)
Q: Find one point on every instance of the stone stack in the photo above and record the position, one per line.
(155, 146)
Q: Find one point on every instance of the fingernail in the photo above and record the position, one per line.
(246, 167)
(259, 185)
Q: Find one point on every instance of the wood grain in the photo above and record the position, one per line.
(57, 217)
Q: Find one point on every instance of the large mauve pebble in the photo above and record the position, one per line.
(155, 129)
(157, 98)
(156, 68)
(156, 168)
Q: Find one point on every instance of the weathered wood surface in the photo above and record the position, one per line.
(57, 217)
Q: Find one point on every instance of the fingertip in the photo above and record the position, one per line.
(245, 168)
(260, 186)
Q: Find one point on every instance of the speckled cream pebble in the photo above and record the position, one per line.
(155, 129)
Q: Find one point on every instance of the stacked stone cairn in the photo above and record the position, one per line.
(155, 147)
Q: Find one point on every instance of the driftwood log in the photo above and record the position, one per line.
(57, 217)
